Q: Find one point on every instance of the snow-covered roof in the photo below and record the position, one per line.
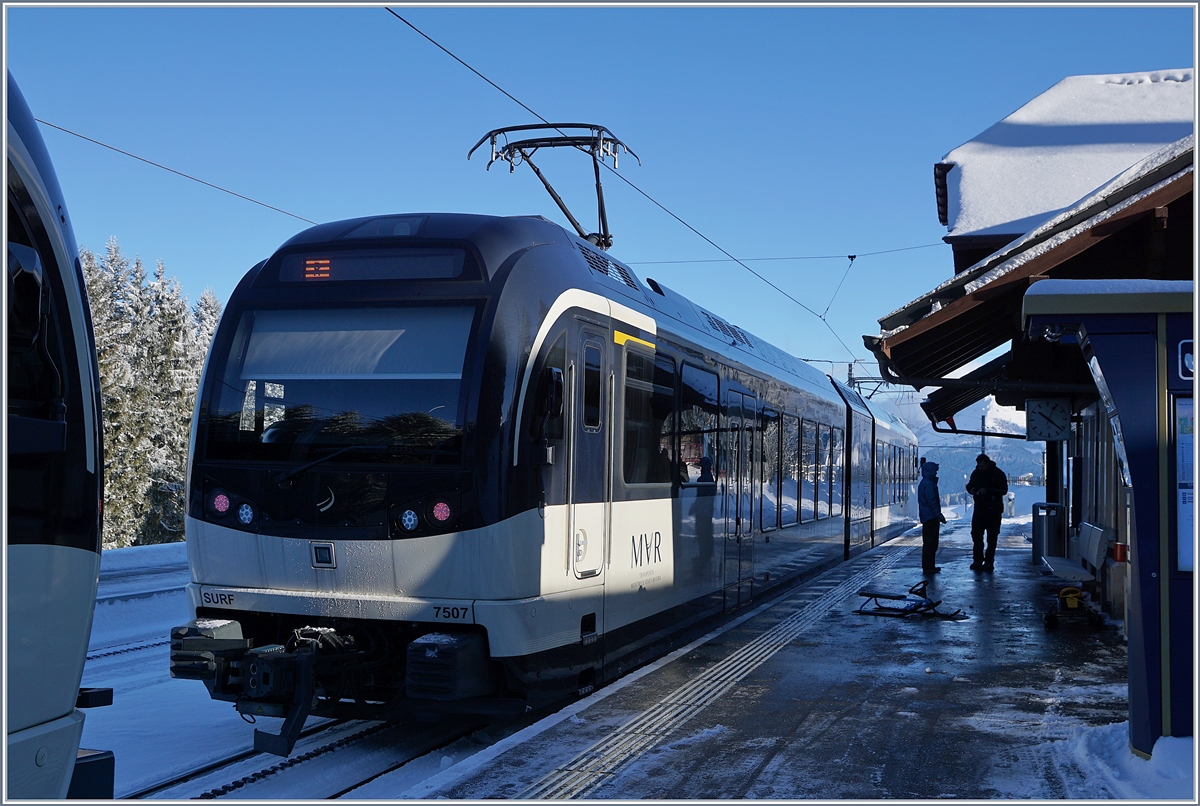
(1058, 147)
(1098, 204)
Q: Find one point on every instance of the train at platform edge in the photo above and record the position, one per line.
(451, 463)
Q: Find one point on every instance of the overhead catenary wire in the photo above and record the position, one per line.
(172, 170)
(790, 257)
(845, 274)
(613, 171)
(728, 257)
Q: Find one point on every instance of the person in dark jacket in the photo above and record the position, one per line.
(989, 485)
(929, 511)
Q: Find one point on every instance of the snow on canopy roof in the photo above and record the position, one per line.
(1161, 168)
(1073, 137)
(1060, 296)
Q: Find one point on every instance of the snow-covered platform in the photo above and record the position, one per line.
(802, 697)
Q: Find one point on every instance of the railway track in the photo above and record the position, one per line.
(215, 767)
(122, 649)
(330, 761)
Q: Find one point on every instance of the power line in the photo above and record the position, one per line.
(731, 257)
(646, 195)
(845, 274)
(793, 257)
(832, 361)
(172, 170)
(464, 64)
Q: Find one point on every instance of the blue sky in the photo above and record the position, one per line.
(776, 132)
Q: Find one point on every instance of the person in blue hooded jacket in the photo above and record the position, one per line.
(929, 510)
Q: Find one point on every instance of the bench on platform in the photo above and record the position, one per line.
(1092, 549)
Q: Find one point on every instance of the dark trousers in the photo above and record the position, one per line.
(930, 533)
(985, 522)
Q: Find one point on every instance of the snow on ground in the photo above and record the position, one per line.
(142, 571)
(1103, 753)
(156, 726)
(154, 574)
(120, 622)
(143, 558)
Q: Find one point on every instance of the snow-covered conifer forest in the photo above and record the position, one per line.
(150, 344)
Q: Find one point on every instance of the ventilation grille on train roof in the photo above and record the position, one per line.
(605, 266)
(721, 326)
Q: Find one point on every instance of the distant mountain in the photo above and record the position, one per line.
(955, 453)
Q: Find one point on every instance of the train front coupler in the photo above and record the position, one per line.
(278, 680)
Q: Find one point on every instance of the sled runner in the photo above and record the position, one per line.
(906, 604)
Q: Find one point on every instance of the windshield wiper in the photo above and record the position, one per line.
(291, 474)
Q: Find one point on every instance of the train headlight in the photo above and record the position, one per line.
(441, 512)
(409, 520)
(220, 503)
(246, 514)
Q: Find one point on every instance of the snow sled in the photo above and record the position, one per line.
(915, 602)
(1072, 604)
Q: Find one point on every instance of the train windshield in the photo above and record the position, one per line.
(299, 384)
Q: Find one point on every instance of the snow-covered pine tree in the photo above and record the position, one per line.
(170, 377)
(150, 349)
(109, 287)
(207, 313)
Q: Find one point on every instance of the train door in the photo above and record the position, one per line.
(587, 488)
(739, 545)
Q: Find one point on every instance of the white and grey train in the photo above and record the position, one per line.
(54, 474)
(463, 463)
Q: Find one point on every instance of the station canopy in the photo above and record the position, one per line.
(1138, 225)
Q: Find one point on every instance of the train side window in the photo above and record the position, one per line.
(895, 473)
(892, 474)
(887, 474)
(698, 428)
(808, 458)
(769, 450)
(822, 470)
(836, 475)
(889, 462)
(556, 358)
(649, 430)
(789, 500)
(591, 386)
(879, 470)
(886, 457)
(35, 356)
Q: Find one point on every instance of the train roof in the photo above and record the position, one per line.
(498, 237)
(683, 310)
(888, 420)
(853, 399)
